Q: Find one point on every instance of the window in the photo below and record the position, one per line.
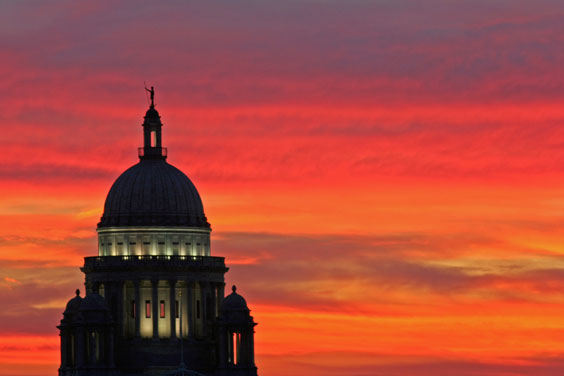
(197, 309)
(177, 309)
(147, 308)
(162, 309)
(153, 139)
(133, 308)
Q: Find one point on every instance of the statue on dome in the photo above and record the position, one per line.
(152, 91)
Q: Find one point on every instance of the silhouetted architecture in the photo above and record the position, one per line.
(154, 287)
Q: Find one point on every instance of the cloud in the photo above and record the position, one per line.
(344, 272)
(368, 364)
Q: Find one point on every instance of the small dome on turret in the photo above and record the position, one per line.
(94, 309)
(234, 302)
(74, 304)
(234, 309)
(94, 302)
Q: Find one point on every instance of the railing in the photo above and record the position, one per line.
(152, 152)
(154, 260)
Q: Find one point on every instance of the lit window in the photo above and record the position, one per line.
(162, 309)
(177, 309)
(147, 308)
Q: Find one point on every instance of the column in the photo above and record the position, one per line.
(64, 348)
(80, 347)
(172, 305)
(155, 308)
(222, 346)
(204, 287)
(238, 355)
(252, 346)
(110, 348)
(220, 294)
(213, 301)
(230, 340)
(120, 319)
(190, 309)
(92, 342)
(137, 309)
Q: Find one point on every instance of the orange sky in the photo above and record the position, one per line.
(385, 179)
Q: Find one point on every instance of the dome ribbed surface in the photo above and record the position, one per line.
(153, 193)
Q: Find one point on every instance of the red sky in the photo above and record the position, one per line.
(384, 178)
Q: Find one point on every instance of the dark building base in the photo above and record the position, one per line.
(156, 357)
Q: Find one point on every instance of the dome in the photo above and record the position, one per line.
(234, 309)
(94, 302)
(152, 113)
(153, 193)
(74, 304)
(234, 302)
(95, 310)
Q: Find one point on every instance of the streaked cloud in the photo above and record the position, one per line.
(391, 170)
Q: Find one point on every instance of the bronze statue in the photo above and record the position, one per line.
(152, 91)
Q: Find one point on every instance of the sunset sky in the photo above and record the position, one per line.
(384, 178)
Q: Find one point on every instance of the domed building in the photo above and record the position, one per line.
(154, 294)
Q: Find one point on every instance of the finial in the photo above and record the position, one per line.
(234, 288)
(77, 292)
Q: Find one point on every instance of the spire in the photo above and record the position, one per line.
(152, 133)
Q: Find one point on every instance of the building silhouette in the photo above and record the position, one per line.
(154, 301)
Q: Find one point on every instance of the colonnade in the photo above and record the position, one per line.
(151, 308)
(87, 347)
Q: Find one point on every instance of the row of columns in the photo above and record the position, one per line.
(213, 289)
(237, 346)
(85, 346)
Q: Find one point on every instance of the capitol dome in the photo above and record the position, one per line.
(153, 193)
(153, 208)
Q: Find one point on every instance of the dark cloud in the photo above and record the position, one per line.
(36, 298)
(53, 172)
(359, 364)
(306, 270)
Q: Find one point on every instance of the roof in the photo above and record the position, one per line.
(153, 193)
